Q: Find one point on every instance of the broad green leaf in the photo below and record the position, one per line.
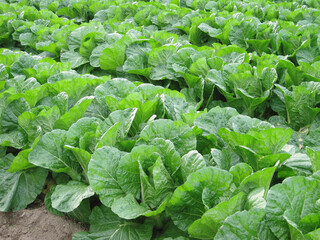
(74, 114)
(295, 233)
(258, 179)
(109, 138)
(102, 174)
(240, 171)
(158, 59)
(81, 129)
(124, 117)
(298, 164)
(237, 139)
(190, 163)
(186, 204)
(256, 199)
(9, 117)
(137, 64)
(300, 106)
(208, 225)
(21, 162)
(36, 125)
(252, 102)
(177, 132)
(216, 118)
(113, 56)
(16, 139)
(176, 107)
(243, 124)
(117, 88)
(19, 189)
(314, 158)
(88, 141)
(90, 42)
(295, 198)
(49, 153)
(240, 33)
(275, 138)
(163, 183)
(225, 158)
(82, 156)
(212, 32)
(107, 225)
(128, 172)
(74, 58)
(147, 190)
(47, 202)
(66, 198)
(170, 157)
(314, 235)
(128, 208)
(245, 225)
(75, 37)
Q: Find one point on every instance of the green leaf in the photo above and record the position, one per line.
(128, 172)
(299, 106)
(116, 88)
(128, 208)
(170, 157)
(275, 138)
(177, 132)
(245, 225)
(258, 179)
(16, 139)
(240, 171)
(225, 158)
(82, 156)
(213, 120)
(84, 128)
(256, 199)
(106, 225)
(19, 189)
(297, 164)
(36, 125)
(147, 190)
(186, 204)
(74, 114)
(240, 33)
(74, 58)
(294, 199)
(113, 56)
(208, 225)
(243, 124)
(190, 163)
(137, 64)
(314, 158)
(9, 117)
(314, 235)
(124, 117)
(66, 198)
(102, 174)
(212, 32)
(176, 107)
(158, 58)
(21, 162)
(109, 138)
(49, 153)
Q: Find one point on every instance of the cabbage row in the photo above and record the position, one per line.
(164, 120)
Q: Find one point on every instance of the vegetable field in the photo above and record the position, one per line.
(164, 120)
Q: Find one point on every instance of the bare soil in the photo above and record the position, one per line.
(36, 223)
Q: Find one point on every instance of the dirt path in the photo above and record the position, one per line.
(36, 223)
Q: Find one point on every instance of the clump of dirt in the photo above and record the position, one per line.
(35, 223)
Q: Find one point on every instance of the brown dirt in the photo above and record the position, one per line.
(36, 223)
